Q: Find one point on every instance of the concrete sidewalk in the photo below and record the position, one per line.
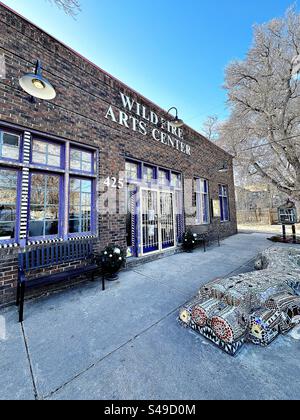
(125, 343)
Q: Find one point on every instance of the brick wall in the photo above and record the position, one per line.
(84, 94)
(8, 274)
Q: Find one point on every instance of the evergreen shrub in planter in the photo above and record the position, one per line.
(189, 241)
(112, 259)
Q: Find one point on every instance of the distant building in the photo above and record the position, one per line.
(258, 203)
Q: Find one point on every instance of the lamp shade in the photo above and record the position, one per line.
(224, 168)
(37, 86)
(177, 123)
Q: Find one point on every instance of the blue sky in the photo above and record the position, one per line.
(173, 52)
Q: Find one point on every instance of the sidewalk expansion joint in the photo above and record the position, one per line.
(36, 396)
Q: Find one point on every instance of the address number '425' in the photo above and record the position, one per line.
(112, 182)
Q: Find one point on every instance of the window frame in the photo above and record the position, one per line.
(14, 133)
(45, 165)
(61, 207)
(200, 193)
(154, 173)
(179, 183)
(85, 150)
(21, 227)
(139, 172)
(93, 212)
(18, 206)
(168, 179)
(222, 198)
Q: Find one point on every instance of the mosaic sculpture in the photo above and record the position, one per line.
(254, 307)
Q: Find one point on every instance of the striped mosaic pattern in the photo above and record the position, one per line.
(25, 186)
(26, 147)
(52, 241)
(5, 246)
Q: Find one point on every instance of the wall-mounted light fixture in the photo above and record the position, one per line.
(224, 168)
(175, 122)
(36, 85)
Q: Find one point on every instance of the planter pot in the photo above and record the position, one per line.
(112, 277)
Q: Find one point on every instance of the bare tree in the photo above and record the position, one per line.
(263, 130)
(211, 127)
(70, 7)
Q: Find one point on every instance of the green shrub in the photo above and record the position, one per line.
(189, 241)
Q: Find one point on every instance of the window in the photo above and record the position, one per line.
(224, 203)
(176, 180)
(45, 183)
(8, 200)
(45, 153)
(164, 177)
(44, 205)
(201, 201)
(9, 145)
(81, 160)
(80, 206)
(132, 171)
(149, 173)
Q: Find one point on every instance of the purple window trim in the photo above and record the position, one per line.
(61, 208)
(180, 218)
(93, 231)
(42, 165)
(205, 209)
(36, 167)
(16, 239)
(154, 173)
(17, 165)
(83, 175)
(83, 149)
(21, 141)
(224, 199)
(168, 178)
(139, 171)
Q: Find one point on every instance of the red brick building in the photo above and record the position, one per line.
(99, 160)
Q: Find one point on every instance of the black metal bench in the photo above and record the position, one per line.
(202, 238)
(206, 239)
(33, 262)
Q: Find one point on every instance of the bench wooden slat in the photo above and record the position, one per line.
(47, 255)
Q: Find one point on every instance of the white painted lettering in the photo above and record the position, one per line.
(155, 133)
(134, 123)
(153, 118)
(110, 113)
(127, 102)
(123, 120)
(144, 115)
(163, 138)
(143, 128)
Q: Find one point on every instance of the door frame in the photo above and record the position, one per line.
(158, 190)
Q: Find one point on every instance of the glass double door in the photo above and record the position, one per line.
(157, 215)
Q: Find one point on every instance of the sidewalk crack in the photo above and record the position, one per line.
(36, 396)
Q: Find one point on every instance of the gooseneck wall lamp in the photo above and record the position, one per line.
(175, 122)
(36, 85)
